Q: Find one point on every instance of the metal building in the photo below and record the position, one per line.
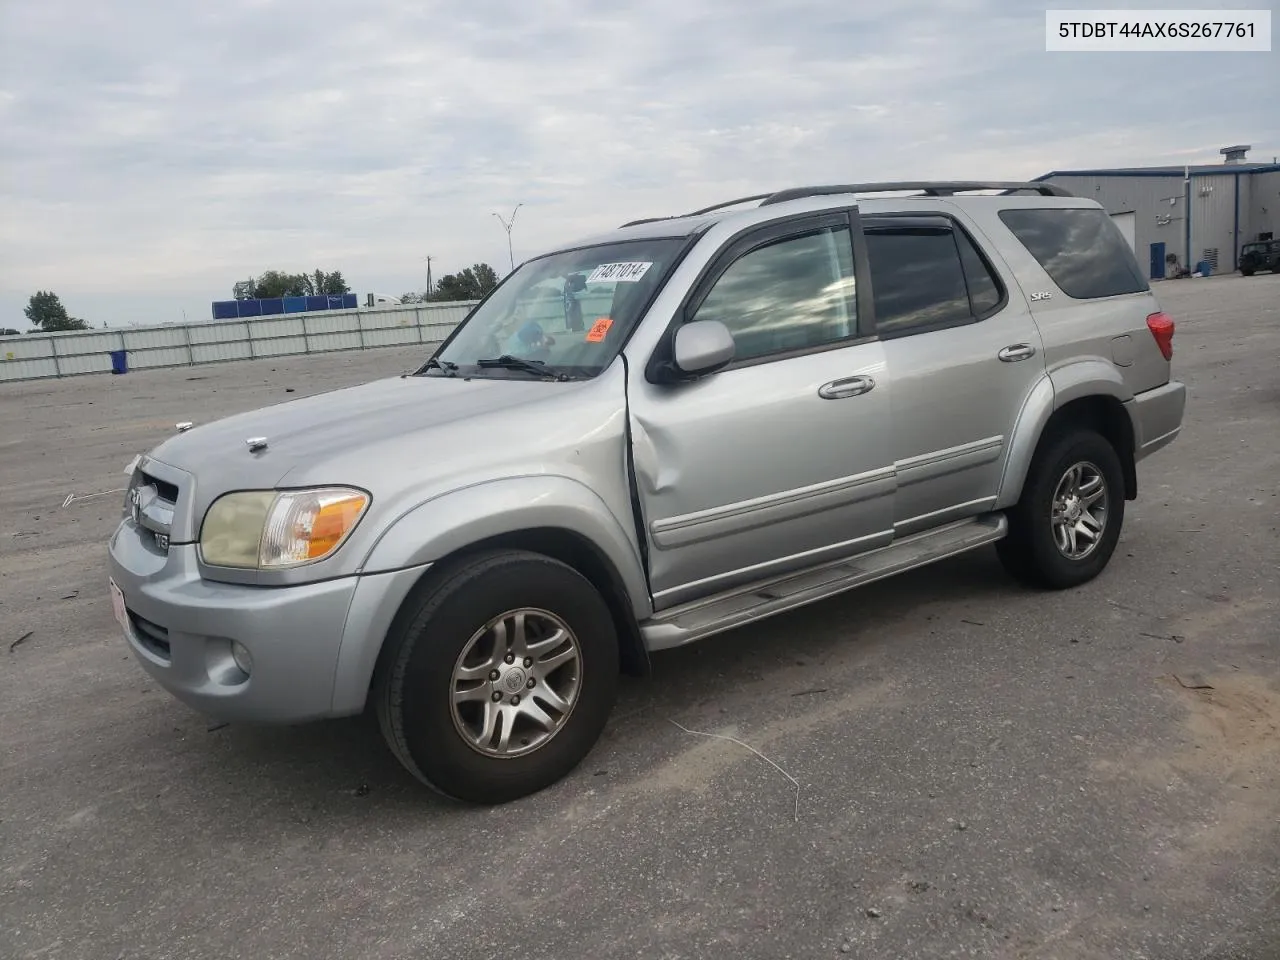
(1177, 218)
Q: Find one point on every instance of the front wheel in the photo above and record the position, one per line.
(1065, 528)
(501, 677)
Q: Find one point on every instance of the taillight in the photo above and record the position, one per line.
(1161, 327)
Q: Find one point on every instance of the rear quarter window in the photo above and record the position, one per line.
(1082, 250)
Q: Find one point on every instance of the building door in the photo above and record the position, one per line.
(1128, 225)
(1157, 261)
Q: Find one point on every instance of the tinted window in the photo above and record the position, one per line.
(1082, 250)
(789, 295)
(985, 292)
(916, 276)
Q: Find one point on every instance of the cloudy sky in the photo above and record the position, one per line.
(153, 152)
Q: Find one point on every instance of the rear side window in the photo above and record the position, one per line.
(926, 275)
(1082, 250)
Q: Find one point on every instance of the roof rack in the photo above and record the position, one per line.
(698, 213)
(729, 203)
(929, 188)
(926, 188)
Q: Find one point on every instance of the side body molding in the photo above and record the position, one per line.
(454, 520)
(1083, 378)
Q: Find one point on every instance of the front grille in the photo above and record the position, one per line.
(151, 635)
(164, 489)
(154, 513)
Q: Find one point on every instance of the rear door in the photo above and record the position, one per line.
(963, 353)
(782, 459)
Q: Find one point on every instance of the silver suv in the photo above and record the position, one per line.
(645, 438)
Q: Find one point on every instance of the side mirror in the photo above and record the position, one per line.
(702, 347)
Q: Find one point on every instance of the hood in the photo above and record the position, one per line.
(304, 434)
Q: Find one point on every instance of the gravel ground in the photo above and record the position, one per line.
(983, 770)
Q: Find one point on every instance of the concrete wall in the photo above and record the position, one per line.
(1214, 230)
(1260, 212)
(419, 327)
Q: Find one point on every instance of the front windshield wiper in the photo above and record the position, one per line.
(448, 366)
(508, 362)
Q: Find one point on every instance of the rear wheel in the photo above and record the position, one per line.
(1065, 528)
(501, 681)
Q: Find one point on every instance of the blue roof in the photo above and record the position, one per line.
(1197, 170)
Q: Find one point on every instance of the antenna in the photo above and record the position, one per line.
(507, 225)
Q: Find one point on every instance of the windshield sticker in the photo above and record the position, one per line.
(598, 330)
(619, 272)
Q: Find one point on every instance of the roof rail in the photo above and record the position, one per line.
(929, 188)
(729, 203)
(636, 223)
(698, 213)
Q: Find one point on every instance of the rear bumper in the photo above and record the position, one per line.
(312, 646)
(1157, 417)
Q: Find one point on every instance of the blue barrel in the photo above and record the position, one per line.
(119, 361)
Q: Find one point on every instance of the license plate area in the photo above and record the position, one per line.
(118, 608)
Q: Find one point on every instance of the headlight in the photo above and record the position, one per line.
(265, 529)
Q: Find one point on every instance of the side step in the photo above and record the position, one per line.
(742, 605)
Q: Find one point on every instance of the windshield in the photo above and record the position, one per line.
(568, 313)
(1254, 248)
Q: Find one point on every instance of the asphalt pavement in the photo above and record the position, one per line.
(964, 767)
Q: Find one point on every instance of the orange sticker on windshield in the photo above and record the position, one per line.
(599, 329)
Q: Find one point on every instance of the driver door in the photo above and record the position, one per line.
(782, 460)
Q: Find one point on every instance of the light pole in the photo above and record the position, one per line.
(507, 225)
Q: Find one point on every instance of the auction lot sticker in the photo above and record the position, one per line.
(619, 272)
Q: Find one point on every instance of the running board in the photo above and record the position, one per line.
(743, 605)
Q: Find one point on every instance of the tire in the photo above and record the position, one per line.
(1031, 552)
(447, 749)
(1247, 273)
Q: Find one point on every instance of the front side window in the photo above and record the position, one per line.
(1081, 249)
(791, 294)
(565, 314)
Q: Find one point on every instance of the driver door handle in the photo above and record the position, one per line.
(1016, 352)
(848, 387)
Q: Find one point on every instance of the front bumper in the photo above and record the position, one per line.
(1157, 417)
(312, 646)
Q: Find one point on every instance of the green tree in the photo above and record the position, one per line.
(46, 312)
(331, 283)
(278, 283)
(470, 284)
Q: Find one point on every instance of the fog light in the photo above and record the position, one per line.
(243, 658)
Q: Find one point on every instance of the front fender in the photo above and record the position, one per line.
(455, 520)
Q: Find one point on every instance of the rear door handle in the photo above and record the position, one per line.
(848, 387)
(1016, 352)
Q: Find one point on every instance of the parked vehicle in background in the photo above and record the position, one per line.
(1260, 255)
(645, 438)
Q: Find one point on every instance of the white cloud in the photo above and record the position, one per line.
(154, 153)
